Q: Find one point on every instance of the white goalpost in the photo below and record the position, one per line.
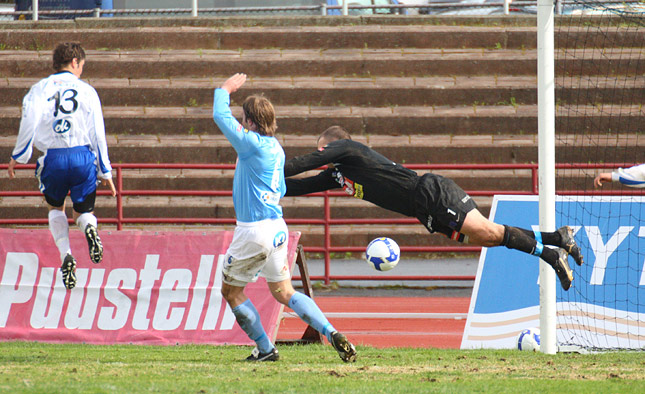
(546, 166)
(591, 90)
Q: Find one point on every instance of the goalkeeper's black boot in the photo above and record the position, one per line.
(257, 356)
(563, 270)
(569, 244)
(69, 272)
(94, 244)
(345, 349)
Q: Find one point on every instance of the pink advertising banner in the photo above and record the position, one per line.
(151, 288)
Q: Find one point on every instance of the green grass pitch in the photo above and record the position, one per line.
(64, 368)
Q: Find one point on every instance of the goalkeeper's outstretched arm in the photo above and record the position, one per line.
(300, 186)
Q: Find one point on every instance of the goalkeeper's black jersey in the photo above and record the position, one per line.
(360, 171)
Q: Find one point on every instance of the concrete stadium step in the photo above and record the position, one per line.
(468, 85)
(222, 207)
(399, 120)
(221, 21)
(303, 37)
(208, 63)
(473, 181)
(294, 37)
(338, 91)
(215, 179)
(343, 207)
(404, 149)
(313, 235)
(439, 148)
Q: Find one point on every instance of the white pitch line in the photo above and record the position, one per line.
(380, 315)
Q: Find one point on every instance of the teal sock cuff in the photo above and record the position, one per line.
(327, 330)
(538, 249)
(538, 236)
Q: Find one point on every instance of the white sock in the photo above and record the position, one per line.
(60, 231)
(84, 219)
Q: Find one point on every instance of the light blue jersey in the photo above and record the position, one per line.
(259, 183)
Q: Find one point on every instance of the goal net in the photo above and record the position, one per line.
(600, 121)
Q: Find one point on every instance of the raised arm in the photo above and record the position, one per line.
(241, 139)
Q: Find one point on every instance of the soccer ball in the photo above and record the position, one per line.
(529, 340)
(382, 254)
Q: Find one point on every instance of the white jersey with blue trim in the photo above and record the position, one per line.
(633, 176)
(61, 111)
(259, 182)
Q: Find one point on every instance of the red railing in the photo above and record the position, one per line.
(327, 221)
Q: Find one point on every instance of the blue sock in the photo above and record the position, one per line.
(309, 312)
(540, 246)
(249, 319)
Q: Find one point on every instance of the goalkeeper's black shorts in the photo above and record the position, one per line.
(441, 206)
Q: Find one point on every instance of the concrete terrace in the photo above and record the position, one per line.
(417, 89)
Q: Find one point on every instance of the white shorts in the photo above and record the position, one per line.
(258, 248)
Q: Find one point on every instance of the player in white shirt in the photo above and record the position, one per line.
(62, 117)
(632, 176)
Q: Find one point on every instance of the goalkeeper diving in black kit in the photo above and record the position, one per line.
(437, 202)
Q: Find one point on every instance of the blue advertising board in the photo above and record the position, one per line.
(605, 306)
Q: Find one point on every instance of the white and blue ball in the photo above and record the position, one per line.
(529, 340)
(383, 254)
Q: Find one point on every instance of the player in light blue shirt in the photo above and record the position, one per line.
(260, 242)
(259, 182)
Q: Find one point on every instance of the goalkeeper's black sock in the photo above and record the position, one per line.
(519, 239)
(524, 241)
(551, 238)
